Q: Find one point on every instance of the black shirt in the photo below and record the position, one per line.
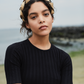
(27, 64)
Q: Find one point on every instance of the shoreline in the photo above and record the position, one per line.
(63, 39)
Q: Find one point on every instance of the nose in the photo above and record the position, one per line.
(41, 19)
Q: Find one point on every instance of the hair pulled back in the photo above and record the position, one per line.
(26, 10)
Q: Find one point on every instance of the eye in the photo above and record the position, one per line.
(46, 14)
(33, 17)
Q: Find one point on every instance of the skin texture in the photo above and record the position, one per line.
(40, 22)
(38, 16)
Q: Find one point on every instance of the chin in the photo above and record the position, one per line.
(44, 34)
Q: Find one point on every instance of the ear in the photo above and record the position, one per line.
(27, 26)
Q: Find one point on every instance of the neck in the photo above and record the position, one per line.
(41, 42)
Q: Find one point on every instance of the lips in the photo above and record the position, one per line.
(43, 27)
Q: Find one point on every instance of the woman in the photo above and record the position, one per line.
(35, 60)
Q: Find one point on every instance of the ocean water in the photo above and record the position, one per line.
(10, 36)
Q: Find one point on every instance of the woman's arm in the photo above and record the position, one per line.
(12, 65)
(66, 70)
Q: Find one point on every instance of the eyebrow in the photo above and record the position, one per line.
(36, 13)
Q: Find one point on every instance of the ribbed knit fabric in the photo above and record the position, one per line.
(27, 64)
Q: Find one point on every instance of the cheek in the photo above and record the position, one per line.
(32, 23)
(50, 21)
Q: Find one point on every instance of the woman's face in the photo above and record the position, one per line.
(39, 19)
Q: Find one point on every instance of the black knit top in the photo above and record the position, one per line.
(27, 64)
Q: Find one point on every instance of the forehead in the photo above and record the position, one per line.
(37, 7)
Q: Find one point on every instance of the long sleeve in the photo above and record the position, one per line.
(66, 70)
(12, 65)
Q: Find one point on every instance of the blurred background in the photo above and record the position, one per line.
(67, 32)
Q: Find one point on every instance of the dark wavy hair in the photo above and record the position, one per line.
(25, 13)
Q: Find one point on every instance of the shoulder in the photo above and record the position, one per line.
(58, 50)
(63, 56)
(17, 47)
(15, 50)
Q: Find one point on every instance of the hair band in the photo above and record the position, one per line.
(26, 1)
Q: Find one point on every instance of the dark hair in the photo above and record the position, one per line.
(25, 13)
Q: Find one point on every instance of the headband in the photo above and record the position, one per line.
(26, 1)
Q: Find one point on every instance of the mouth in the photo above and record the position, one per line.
(43, 27)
